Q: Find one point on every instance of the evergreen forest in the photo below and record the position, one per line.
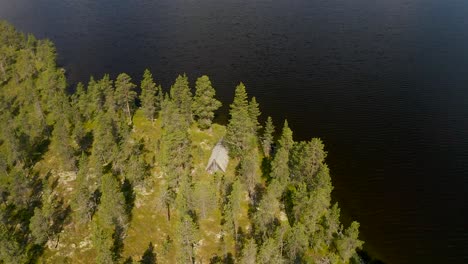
(115, 172)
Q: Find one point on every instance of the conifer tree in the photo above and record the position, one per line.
(187, 237)
(82, 203)
(249, 253)
(233, 207)
(205, 197)
(306, 160)
(41, 223)
(267, 211)
(112, 207)
(97, 92)
(204, 104)
(80, 100)
(240, 127)
(269, 252)
(150, 94)
(104, 148)
(103, 241)
(125, 94)
(297, 242)
(254, 113)
(60, 144)
(267, 138)
(286, 141)
(175, 144)
(348, 242)
(249, 175)
(182, 97)
(280, 164)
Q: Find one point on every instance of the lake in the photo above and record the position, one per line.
(383, 82)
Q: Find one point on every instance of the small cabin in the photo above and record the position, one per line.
(219, 159)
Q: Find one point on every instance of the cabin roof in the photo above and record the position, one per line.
(219, 159)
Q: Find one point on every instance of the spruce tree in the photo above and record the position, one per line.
(204, 104)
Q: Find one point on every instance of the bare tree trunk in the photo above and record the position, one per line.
(168, 212)
(128, 112)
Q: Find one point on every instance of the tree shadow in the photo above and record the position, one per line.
(149, 257)
(227, 259)
(240, 242)
(129, 195)
(117, 248)
(128, 260)
(266, 168)
(94, 202)
(365, 258)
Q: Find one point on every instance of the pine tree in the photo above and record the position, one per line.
(205, 197)
(103, 241)
(187, 236)
(280, 167)
(254, 113)
(182, 97)
(97, 92)
(233, 208)
(248, 173)
(125, 94)
(267, 138)
(249, 253)
(175, 144)
(348, 242)
(267, 211)
(240, 127)
(150, 95)
(204, 104)
(286, 141)
(297, 242)
(112, 207)
(82, 203)
(60, 144)
(269, 252)
(41, 223)
(104, 148)
(306, 160)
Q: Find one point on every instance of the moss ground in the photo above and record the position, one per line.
(149, 225)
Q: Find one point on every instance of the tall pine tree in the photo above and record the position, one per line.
(182, 97)
(204, 104)
(240, 127)
(125, 94)
(150, 96)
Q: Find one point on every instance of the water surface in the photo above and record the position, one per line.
(383, 82)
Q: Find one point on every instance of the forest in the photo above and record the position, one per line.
(115, 172)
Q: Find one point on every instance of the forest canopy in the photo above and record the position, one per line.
(116, 173)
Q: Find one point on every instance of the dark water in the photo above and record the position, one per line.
(383, 82)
